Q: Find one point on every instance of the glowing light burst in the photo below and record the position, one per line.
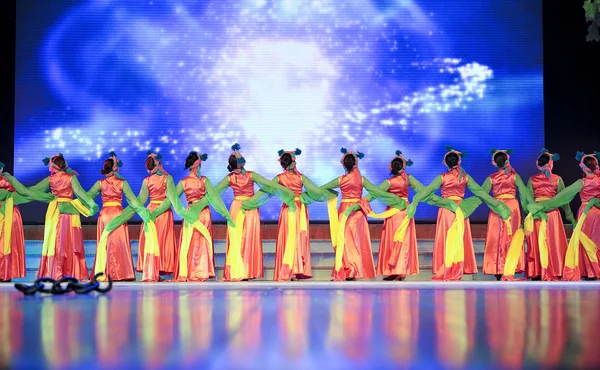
(176, 76)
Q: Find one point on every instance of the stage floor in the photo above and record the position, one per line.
(353, 325)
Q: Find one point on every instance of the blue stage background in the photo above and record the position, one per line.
(374, 76)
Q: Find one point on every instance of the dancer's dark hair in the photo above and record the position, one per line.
(108, 166)
(397, 166)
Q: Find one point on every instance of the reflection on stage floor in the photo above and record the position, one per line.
(305, 326)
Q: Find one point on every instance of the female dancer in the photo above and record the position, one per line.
(63, 253)
(455, 256)
(244, 257)
(504, 255)
(156, 186)
(12, 240)
(547, 241)
(582, 253)
(196, 259)
(114, 258)
(292, 254)
(352, 243)
(398, 258)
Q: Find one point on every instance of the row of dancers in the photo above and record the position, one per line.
(548, 257)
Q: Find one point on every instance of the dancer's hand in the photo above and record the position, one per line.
(95, 209)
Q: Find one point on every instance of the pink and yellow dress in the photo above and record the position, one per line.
(455, 256)
(498, 238)
(357, 256)
(453, 187)
(581, 258)
(301, 268)
(155, 188)
(544, 188)
(12, 251)
(588, 266)
(398, 257)
(118, 256)
(63, 253)
(242, 185)
(12, 240)
(196, 248)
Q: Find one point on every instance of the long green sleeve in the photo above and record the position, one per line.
(384, 186)
(144, 194)
(385, 197)
(134, 203)
(215, 200)
(259, 199)
(566, 207)
(525, 197)
(315, 192)
(433, 199)
(179, 189)
(95, 190)
(28, 193)
(495, 205)
(222, 185)
(562, 198)
(281, 192)
(427, 191)
(42, 186)
(335, 183)
(82, 195)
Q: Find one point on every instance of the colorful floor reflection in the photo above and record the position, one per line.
(306, 326)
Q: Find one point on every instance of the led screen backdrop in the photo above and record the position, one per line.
(374, 76)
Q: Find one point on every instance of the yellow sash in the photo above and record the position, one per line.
(188, 231)
(506, 196)
(341, 237)
(7, 220)
(290, 242)
(455, 248)
(112, 204)
(234, 259)
(156, 201)
(542, 245)
(401, 231)
(150, 247)
(51, 222)
(514, 252)
(572, 257)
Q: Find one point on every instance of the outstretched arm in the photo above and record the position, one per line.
(215, 200)
(134, 202)
(427, 191)
(495, 205)
(315, 192)
(434, 200)
(222, 185)
(259, 199)
(384, 186)
(95, 190)
(560, 199)
(525, 197)
(566, 207)
(83, 196)
(26, 193)
(42, 186)
(385, 197)
(281, 192)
